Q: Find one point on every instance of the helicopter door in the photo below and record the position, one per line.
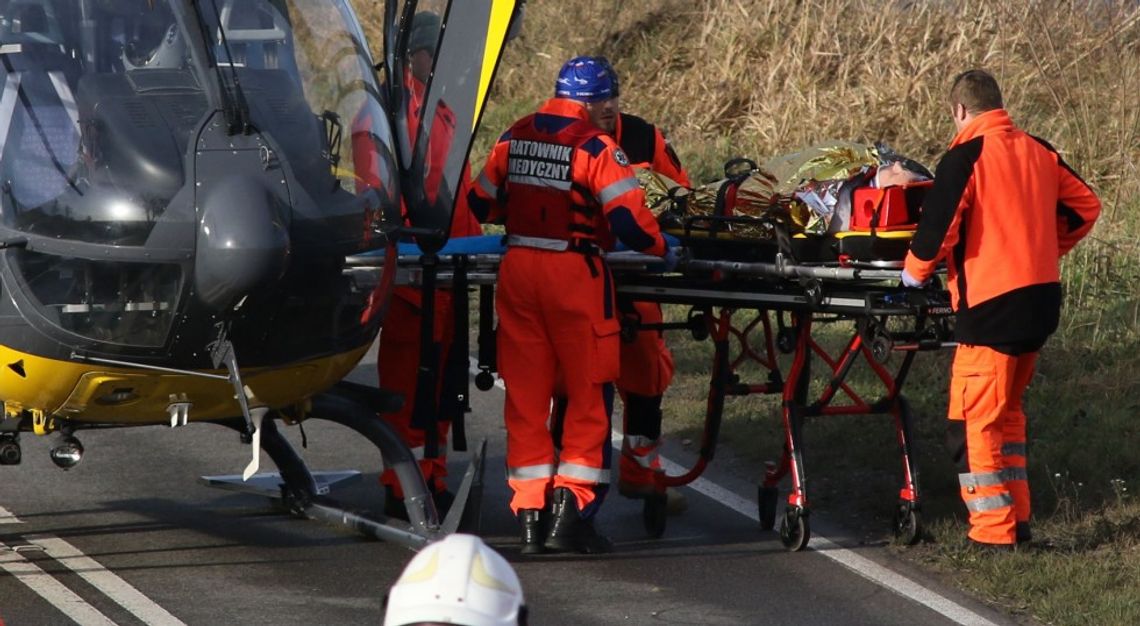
(437, 110)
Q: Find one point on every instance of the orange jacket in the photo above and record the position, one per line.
(599, 176)
(646, 146)
(1003, 210)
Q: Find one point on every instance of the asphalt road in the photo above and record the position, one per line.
(130, 536)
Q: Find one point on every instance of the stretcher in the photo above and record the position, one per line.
(756, 301)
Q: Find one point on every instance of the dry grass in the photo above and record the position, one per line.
(759, 78)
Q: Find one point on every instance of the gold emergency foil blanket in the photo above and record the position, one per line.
(798, 190)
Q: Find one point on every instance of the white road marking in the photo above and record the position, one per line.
(7, 518)
(99, 577)
(105, 581)
(860, 565)
(51, 589)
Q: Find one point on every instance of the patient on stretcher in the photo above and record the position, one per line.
(829, 193)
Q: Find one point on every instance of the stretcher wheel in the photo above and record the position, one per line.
(654, 513)
(908, 524)
(768, 499)
(794, 529)
(881, 348)
(698, 325)
(786, 340)
(484, 381)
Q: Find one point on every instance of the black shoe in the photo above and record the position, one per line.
(569, 532)
(1024, 534)
(532, 531)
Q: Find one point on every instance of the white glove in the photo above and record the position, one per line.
(912, 282)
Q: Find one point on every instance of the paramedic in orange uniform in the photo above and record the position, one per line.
(1003, 210)
(646, 363)
(555, 178)
(398, 359)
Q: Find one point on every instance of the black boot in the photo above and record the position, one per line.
(569, 532)
(1024, 534)
(532, 531)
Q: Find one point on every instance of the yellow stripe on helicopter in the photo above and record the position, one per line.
(132, 396)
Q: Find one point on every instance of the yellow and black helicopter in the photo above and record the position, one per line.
(181, 182)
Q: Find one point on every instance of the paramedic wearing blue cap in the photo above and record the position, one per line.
(559, 180)
(646, 362)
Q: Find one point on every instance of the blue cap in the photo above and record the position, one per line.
(588, 79)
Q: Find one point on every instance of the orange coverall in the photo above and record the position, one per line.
(554, 176)
(398, 359)
(646, 363)
(1003, 209)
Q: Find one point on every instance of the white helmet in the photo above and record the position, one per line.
(458, 580)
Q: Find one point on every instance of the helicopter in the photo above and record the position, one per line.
(181, 182)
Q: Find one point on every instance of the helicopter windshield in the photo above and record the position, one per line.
(113, 119)
(103, 100)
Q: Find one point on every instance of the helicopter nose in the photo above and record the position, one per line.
(243, 242)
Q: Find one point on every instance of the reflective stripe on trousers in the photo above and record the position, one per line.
(552, 321)
(986, 388)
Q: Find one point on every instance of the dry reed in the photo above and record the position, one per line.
(759, 78)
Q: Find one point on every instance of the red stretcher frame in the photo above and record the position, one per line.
(719, 292)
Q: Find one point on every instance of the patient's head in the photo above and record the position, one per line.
(897, 173)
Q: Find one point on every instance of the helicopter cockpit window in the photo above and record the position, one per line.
(306, 72)
(99, 105)
(30, 21)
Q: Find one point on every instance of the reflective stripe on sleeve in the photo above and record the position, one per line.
(530, 472)
(613, 190)
(978, 505)
(582, 472)
(418, 453)
(487, 186)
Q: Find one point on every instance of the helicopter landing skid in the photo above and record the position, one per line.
(270, 484)
(306, 493)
